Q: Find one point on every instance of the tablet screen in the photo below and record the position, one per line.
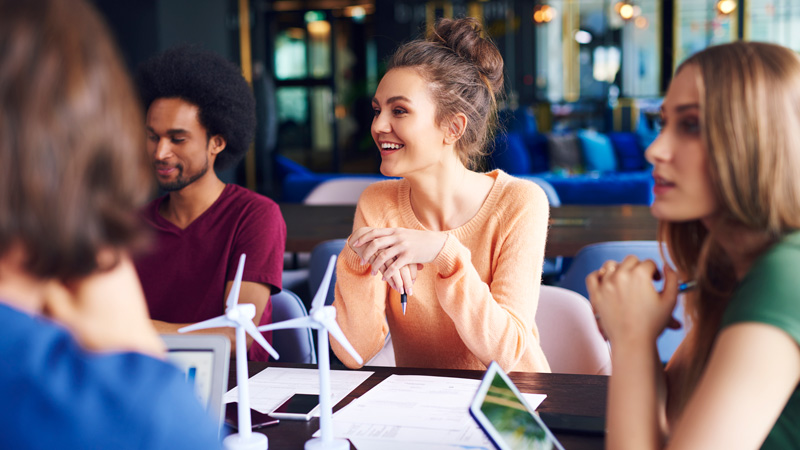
(197, 365)
(506, 418)
(204, 360)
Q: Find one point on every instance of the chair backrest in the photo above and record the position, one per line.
(592, 257)
(339, 191)
(320, 256)
(294, 345)
(549, 190)
(384, 357)
(569, 335)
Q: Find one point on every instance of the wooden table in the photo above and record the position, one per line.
(571, 227)
(570, 394)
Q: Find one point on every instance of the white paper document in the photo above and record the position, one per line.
(270, 387)
(415, 410)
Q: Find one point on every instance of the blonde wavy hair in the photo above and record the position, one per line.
(750, 122)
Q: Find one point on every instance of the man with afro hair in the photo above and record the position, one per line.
(200, 120)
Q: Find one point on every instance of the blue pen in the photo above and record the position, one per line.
(687, 286)
(403, 300)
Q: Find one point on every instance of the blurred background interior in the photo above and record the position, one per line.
(584, 77)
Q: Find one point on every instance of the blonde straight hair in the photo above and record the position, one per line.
(750, 122)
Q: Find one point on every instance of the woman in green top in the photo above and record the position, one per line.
(727, 195)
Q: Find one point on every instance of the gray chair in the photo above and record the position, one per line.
(294, 345)
(340, 191)
(592, 257)
(319, 262)
(549, 190)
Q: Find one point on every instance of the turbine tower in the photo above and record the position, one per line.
(240, 317)
(323, 319)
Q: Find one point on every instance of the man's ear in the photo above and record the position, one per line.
(217, 144)
(456, 126)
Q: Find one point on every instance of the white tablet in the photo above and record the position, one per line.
(204, 358)
(505, 416)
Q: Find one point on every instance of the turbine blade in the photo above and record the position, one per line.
(333, 328)
(322, 292)
(216, 322)
(251, 329)
(233, 295)
(300, 322)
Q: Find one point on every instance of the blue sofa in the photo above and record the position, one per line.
(297, 181)
(584, 167)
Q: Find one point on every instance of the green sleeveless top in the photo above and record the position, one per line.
(770, 294)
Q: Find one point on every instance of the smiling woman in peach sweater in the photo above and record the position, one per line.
(466, 247)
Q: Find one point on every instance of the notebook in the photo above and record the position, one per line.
(503, 414)
(204, 358)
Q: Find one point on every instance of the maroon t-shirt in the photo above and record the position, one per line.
(185, 273)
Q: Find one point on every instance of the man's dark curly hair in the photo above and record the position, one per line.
(212, 83)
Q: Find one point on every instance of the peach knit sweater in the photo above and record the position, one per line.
(475, 303)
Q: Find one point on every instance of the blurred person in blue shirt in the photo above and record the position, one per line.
(80, 363)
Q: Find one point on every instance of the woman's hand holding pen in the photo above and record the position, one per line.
(626, 303)
(397, 253)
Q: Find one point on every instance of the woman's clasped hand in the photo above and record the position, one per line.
(397, 253)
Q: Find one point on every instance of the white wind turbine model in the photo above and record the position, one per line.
(323, 319)
(240, 316)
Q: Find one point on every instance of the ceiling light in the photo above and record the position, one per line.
(583, 37)
(726, 6)
(626, 11)
(544, 14)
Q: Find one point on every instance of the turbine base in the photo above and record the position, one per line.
(256, 441)
(335, 444)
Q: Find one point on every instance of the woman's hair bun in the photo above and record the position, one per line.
(466, 38)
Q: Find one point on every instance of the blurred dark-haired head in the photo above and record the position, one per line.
(73, 169)
(215, 85)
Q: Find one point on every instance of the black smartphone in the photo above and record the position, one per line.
(571, 423)
(257, 419)
(297, 407)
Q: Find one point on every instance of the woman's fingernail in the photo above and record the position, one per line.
(410, 291)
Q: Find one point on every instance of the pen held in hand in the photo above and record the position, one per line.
(403, 300)
(687, 286)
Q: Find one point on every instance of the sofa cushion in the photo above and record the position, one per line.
(565, 153)
(537, 149)
(646, 130)
(510, 154)
(630, 155)
(285, 166)
(598, 153)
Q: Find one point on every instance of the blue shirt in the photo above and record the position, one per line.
(54, 394)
